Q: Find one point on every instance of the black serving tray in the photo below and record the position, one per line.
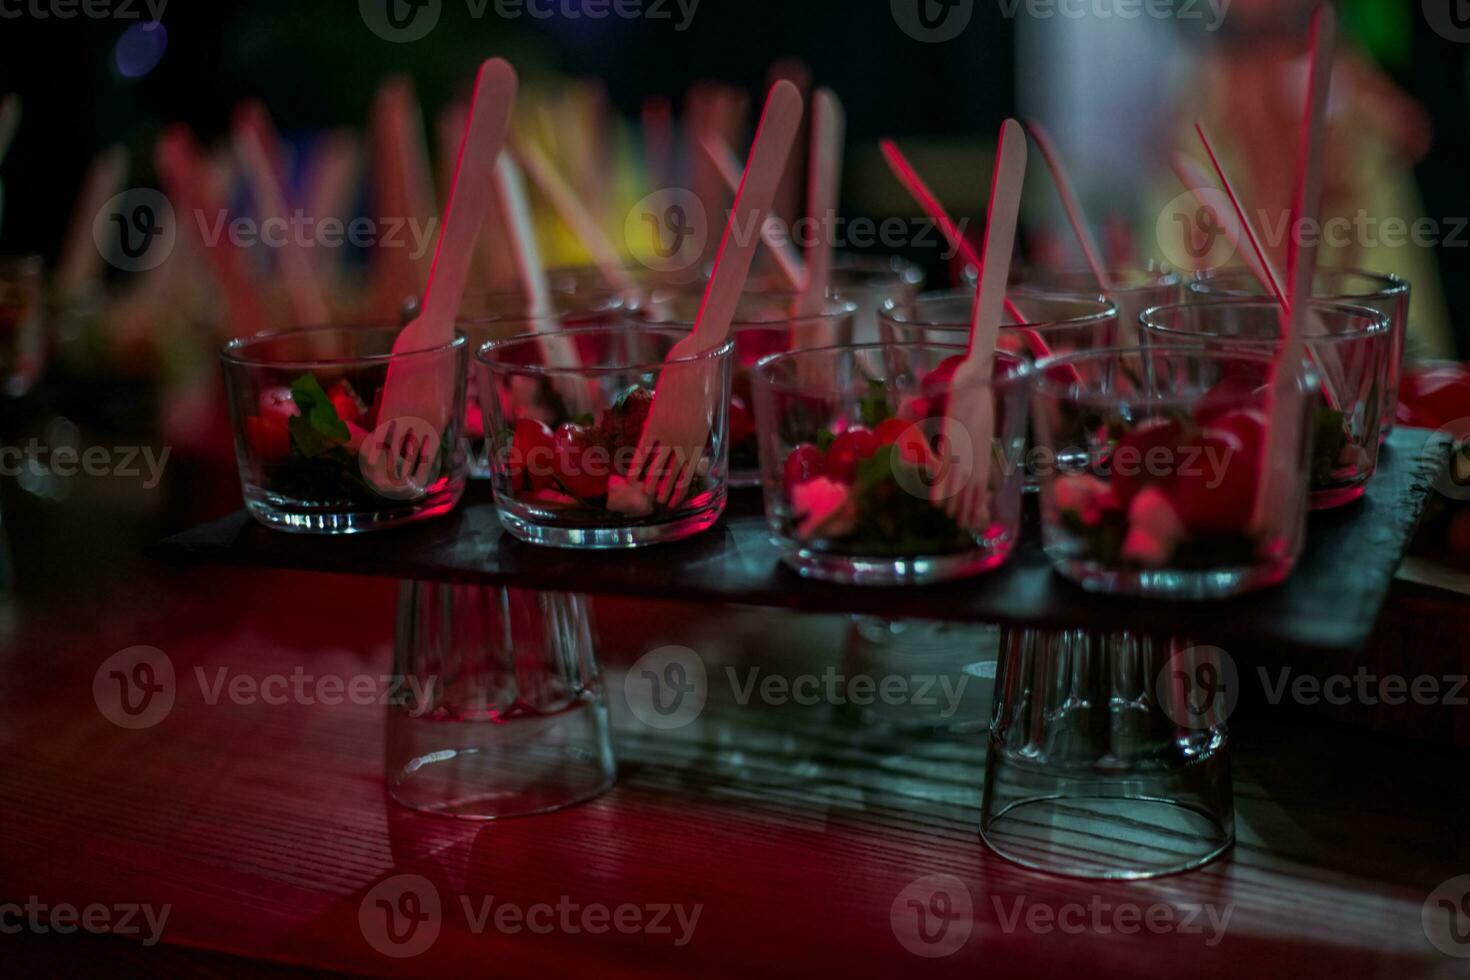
(1328, 606)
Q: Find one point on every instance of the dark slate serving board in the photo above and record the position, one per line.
(1328, 606)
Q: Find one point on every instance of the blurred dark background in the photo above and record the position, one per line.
(318, 64)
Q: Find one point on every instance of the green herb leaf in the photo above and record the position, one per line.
(318, 428)
(874, 409)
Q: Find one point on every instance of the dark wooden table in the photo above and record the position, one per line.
(796, 830)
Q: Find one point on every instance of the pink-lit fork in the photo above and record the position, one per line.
(964, 491)
(684, 407)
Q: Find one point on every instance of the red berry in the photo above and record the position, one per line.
(278, 402)
(268, 436)
(847, 450)
(803, 464)
(912, 447)
(1434, 395)
(583, 465)
(344, 399)
(1147, 454)
(532, 455)
(1215, 484)
(742, 423)
(1234, 392)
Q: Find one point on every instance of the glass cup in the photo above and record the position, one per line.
(870, 281)
(1108, 754)
(851, 450)
(1055, 325)
(22, 334)
(489, 327)
(763, 325)
(1152, 471)
(1387, 294)
(312, 450)
(564, 413)
(1350, 350)
(575, 294)
(498, 707)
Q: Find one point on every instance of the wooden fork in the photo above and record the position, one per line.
(963, 491)
(684, 407)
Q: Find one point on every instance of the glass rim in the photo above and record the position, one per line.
(1154, 279)
(895, 265)
(1021, 369)
(835, 308)
(1045, 384)
(1107, 310)
(1390, 285)
(483, 355)
(233, 351)
(1380, 322)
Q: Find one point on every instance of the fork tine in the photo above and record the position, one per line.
(653, 474)
(670, 478)
(686, 478)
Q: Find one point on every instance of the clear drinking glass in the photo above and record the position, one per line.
(22, 320)
(1108, 754)
(310, 444)
(1133, 291)
(1055, 325)
(850, 453)
(498, 706)
(1153, 458)
(563, 415)
(870, 281)
(574, 293)
(490, 327)
(763, 325)
(1387, 294)
(1350, 348)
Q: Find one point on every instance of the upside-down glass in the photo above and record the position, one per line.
(1055, 325)
(310, 445)
(870, 281)
(22, 320)
(763, 325)
(849, 442)
(1387, 294)
(1351, 351)
(1153, 457)
(564, 413)
(498, 706)
(1108, 754)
